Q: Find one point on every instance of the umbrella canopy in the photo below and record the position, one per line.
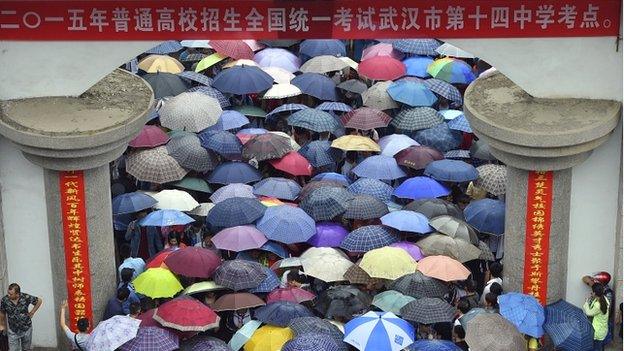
(449, 115)
(372, 187)
(110, 334)
(439, 137)
(161, 63)
(242, 80)
(314, 120)
(417, 66)
(132, 202)
(196, 77)
(175, 200)
(523, 311)
(222, 142)
(234, 172)
(411, 248)
(445, 90)
(365, 118)
(355, 143)
(379, 167)
(288, 108)
(152, 338)
(428, 310)
(417, 46)
(421, 188)
(365, 207)
(239, 274)
(236, 49)
(568, 327)
(165, 84)
(312, 342)
(280, 313)
(280, 188)
(202, 210)
(443, 268)
(319, 47)
(392, 144)
(378, 97)
(447, 49)
(451, 171)
(193, 262)
(186, 314)
(232, 190)
(328, 234)
(434, 345)
(209, 61)
(287, 224)
(314, 325)
(293, 163)
(230, 119)
(268, 337)
(418, 157)
(156, 283)
(191, 112)
(381, 68)
(417, 118)
(316, 85)
(154, 165)
(237, 301)
(411, 93)
(326, 264)
(235, 211)
(282, 91)
(369, 237)
(407, 221)
(435, 207)
(266, 147)
(189, 153)
(342, 301)
(353, 86)
(334, 106)
(490, 331)
(239, 238)
(436, 244)
(455, 228)
(213, 93)
(313, 185)
(379, 331)
(332, 177)
(451, 70)
(486, 215)
(203, 342)
(418, 285)
(457, 154)
(251, 111)
(243, 334)
(294, 295)
(270, 283)
(391, 301)
(481, 150)
(460, 123)
(240, 62)
(165, 218)
(388, 263)
(468, 316)
(200, 287)
(381, 49)
(323, 64)
(356, 275)
(150, 136)
(167, 47)
(277, 57)
(492, 178)
(323, 204)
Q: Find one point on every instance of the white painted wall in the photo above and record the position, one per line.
(25, 220)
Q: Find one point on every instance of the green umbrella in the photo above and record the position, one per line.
(193, 183)
(243, 335)
(391, 301)
(251, 111)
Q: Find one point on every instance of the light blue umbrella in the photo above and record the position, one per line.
(279, 188)
(287, 224)
(417, 66)
(568, 327)
(320, 153)
(132, 202)
(229, 120)
(379, 167)
(242, 335)
(375, 331)
(222, 142)
(372, 187)
(195, 77)
(269, 246)
(450, 114)
(421, 188)
(486, 215)
(391, 301)
(411, 93)
(334, 106)
(523, 311)
(270, 283)
(332, 176)
(287, 108)
(460, 123)
(232, 190)
(451, 171)
(165, 218)
(407, 221)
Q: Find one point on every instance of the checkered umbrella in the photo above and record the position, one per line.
(315, 325)
(314, 120)
(280, 313)
(192, 112)
(266, 147)
(492, 332)
(480, 150)
(232, 190)
(287, 224)
(372, 187)
(222, 142)
(457, 154)
(356, 275)
(365, 207)
(492, 178)
(167, 47)
(323, 64)
(444, 89)
(379, 167)
(196, 77)
(312, 341)
(185, 56)
(486, 252)
(353, 86)
(334, 106)
(239, 274)
(342, 301)
(437, 244)
(417, 46)
(287, 108)
(213, 93)
(418, 285)
(152, 339)
(332, 177)
(368, 238)
(270, 283)
(365, 118)
(203, 342)
(378, 97)
(279, 188)
(323, 204)
(429, 310)
(234, 172)
(418, 157)
(235, 211)
(236, 49)
(455, 228)
(320, 153)
(439, 137)
(417, 118)
(110, 334)
(460, 123)
(189, 153)
(313, 185)
(435, 207)
(451, 171)
(568, 327)
(154, 165)
(433, 345)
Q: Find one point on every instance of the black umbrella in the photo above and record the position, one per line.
(419, 285)
(165, 84)
(280, 313)
(435, 207)
(365, 207)
(342, 301)
(428, 310)
(306, 325)
(353, 86)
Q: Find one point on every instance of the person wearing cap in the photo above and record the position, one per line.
(603, 278)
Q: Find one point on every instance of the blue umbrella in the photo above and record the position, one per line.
(421, 188)
(287, 108)
(457, 154)
(376, 331)
(325, 203)
(439, 137)
(234, 172)
(320, 153)
(270, 283)
(120, 222)
(286, 224)
(274, 247)
(166, 47)
(372, 187)
(317, 85)
(333, 177)
(280, 313)
(417, 46)
(446, 90)
(411, 93)
(152, 115)
(312, 341)
(334, 106)
(368, 238)
(379, 167)
(242, 80)
(568, 327)
(417, 66)
(222, 142)
(314, 120)
(523, 311)
(196, 77)
(460, 123)
(253, 131)
(451, 171)
(230, 119)
(132, 202)
(486, 215)
(212, 92)
(407, 221)
(318, 47)
(434, 345)
(279, 188)
(232, 190)
(165, 218)
(450, 114)
(235, 211)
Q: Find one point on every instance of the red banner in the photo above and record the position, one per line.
(539, 206)
(273, 19)
(73, 211)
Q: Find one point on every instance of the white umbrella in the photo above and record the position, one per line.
(202, 210)
(280, 75)
(196, 44)
(323, 64)
(175, 200)
(447, 49)
(328, 268)
(192, 112)
(110, 334)
(281, 91)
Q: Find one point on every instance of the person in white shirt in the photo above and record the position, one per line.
(496, 273)
(135, 263)
(77, 340)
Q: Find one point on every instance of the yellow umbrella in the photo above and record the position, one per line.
(388, 263)
(240, 63)
(355, 143)
(203, 287)
(157, 282)
(161, 63)
(209, 61)
(268, 338)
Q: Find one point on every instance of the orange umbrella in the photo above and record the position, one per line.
(443, 268)
(293, 163)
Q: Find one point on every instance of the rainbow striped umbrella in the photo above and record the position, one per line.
(451, 70)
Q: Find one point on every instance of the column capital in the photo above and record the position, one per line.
(534, 133)
(83, 132)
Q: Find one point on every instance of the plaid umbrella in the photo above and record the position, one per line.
(436, 244)
(323, 204)
(222, 142)
(323, 64)
(433, 345)
(280, 188)
(365, 207)
(486, 215)
(439, 137)
(185, 56)
(490, 331)
(152, 339)
(154, 165)
(435, 207)
(418, 157)
(236, 49)
(444, 89)
(280, 313)
(417, 118)
(381, 68)
(568, 327)
(334, 106)
(150, 136)
(457, 154)
(213, 93)
(378, 97)
(237, 301)
(492, 178)
(314, 120)
(314, 326)
(372, 187)
(332, 177)
(417, 46)
(239, 274)
(312, 341)
(318, 47)
(460, 123)
(429, 310)
(523, 311)
(365, 118)
(455, 228)
(242, 80)
(266, 147)
(313, 185)
(167, 47)
(189, 153)
(369, 237)
(235, 211)
(379, 167)
(356, 275)
(196, 77)
(342, 301)
(418, 285)
(192, 112)
(270, 283)
(234, 172)
(287, 108)
(277, 57)
(110, 334)
(232, 190)
(287, 224)
(481, 150)
(319, 153)
(203, 342)
(451, 171)
(353, 86)
(317, 85)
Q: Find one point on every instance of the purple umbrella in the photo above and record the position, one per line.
(152, 338)
(275, 57)
(379, 167)
(328, 234)
(411, 248)
(239, 238)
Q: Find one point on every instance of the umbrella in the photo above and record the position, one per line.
(486, 252)
(368, 237)
(356, 275)
(381, 49)
(277, 57)
(468, 316)
(152, 338)
(165, 218)
(365, 118)
(186, 314)
(447, 49)
(222, 142)
(342, 301)
(451, 171)
(167, 47)
(280, 313)
(251, 111)
(213, 93)
(365, 207)
(293, 163)
(443, 268)
(202, 210)
(411, 93)
(407, 221)
(280, 188)
(439, 137)
(315, 325)
(312, 342)
(451, 70)
(193, 262)
(481, 150)
(232, 190)
(486, 215)
(436, 244)
(237, 301)
(388, 263)
(239, 238)
(381, 68)
(355, 143)
(150, 136)
(491, 332)
(209, 61)
(242, 80)
(158, 260)
(154, 165)
(156, 283)
(378, 97)
(392, 144)
(448, 115)
(391, 301)
(457, 154)
(334, 106)
(203, 342)
(372, 187)
(266, 147)
(460, 123)
(313, 185)
(287, 108)
(379, 331)
(318, 47)
(492, 178)
(239, 274)
(161, 63)
(319, 153)
(234, 172)
(435, 207)
(235, 211)
(523, 311)
(418, 157)
(132, 202)
(192, 112)
(240, 62)
(328, 234)
(175, 200)
(317, 85)
(282, 91)
(254, 44)
(236, 49)
(201, 287)
(189, 153)
(165, 84)
(110, 334)
(268, 337)
(287, 224)
(455, 228)
(323, 204)
(294, 295)
(326, 264)
(243, 334)
(416, 118)
(228, 120)
(353, 86)
(323, 64)
(418, 285)
(196, 77)
(270, 283)
(417, 66)
(332, 177)
(411, 248)
(420, 188)
(417, 46)
(434, 345)
(270, 246)
(428, 310)
(568, 327)
(379, 167)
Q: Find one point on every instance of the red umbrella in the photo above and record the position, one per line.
(150, 136)
(296, 295)
(193, 262)
(158, 260)
(147, 320)
(186, 314)
(293, 163)
(236, 49)
(381, 49)
(418, 157)
(237, 301)
(381, 68)
(365, 118)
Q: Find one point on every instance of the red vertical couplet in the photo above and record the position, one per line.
(74, 215)
(538, 220)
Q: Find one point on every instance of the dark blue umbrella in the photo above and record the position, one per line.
(270, 283)
(132, 202)
(253, 131)
(235, 211)
(317, 85)
(372, 187)
(222, 142)
(234, 172)
(241, 80)
(486, 215)
(212, 92)
(365, 207)
(439, 137)
(379, 167)
(411, 93)
(451, 171)
(196, 77)
(421, 188)
(332, 177)
(334, 106)
(275, 247)
(279, 188)
(320, 153)
(318, 47)
(280, 313)
(417, 46)
(287, 108)
(314, 120)
(368, 238)
(120, 222)
(165, 84)
(446, 90)
(568, 327)
(433, 345)
(286, 224)
(167, 47)
(417, 66)
(312, 342)
(230, 119)
(325, 203)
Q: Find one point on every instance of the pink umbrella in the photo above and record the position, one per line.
(236, 49)
(295, 295)
(193, 262)
(411, 249)
(381, 68)
(150, 136)
(254, 44)
(381, 49)
(293, 163)
(239, 238)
